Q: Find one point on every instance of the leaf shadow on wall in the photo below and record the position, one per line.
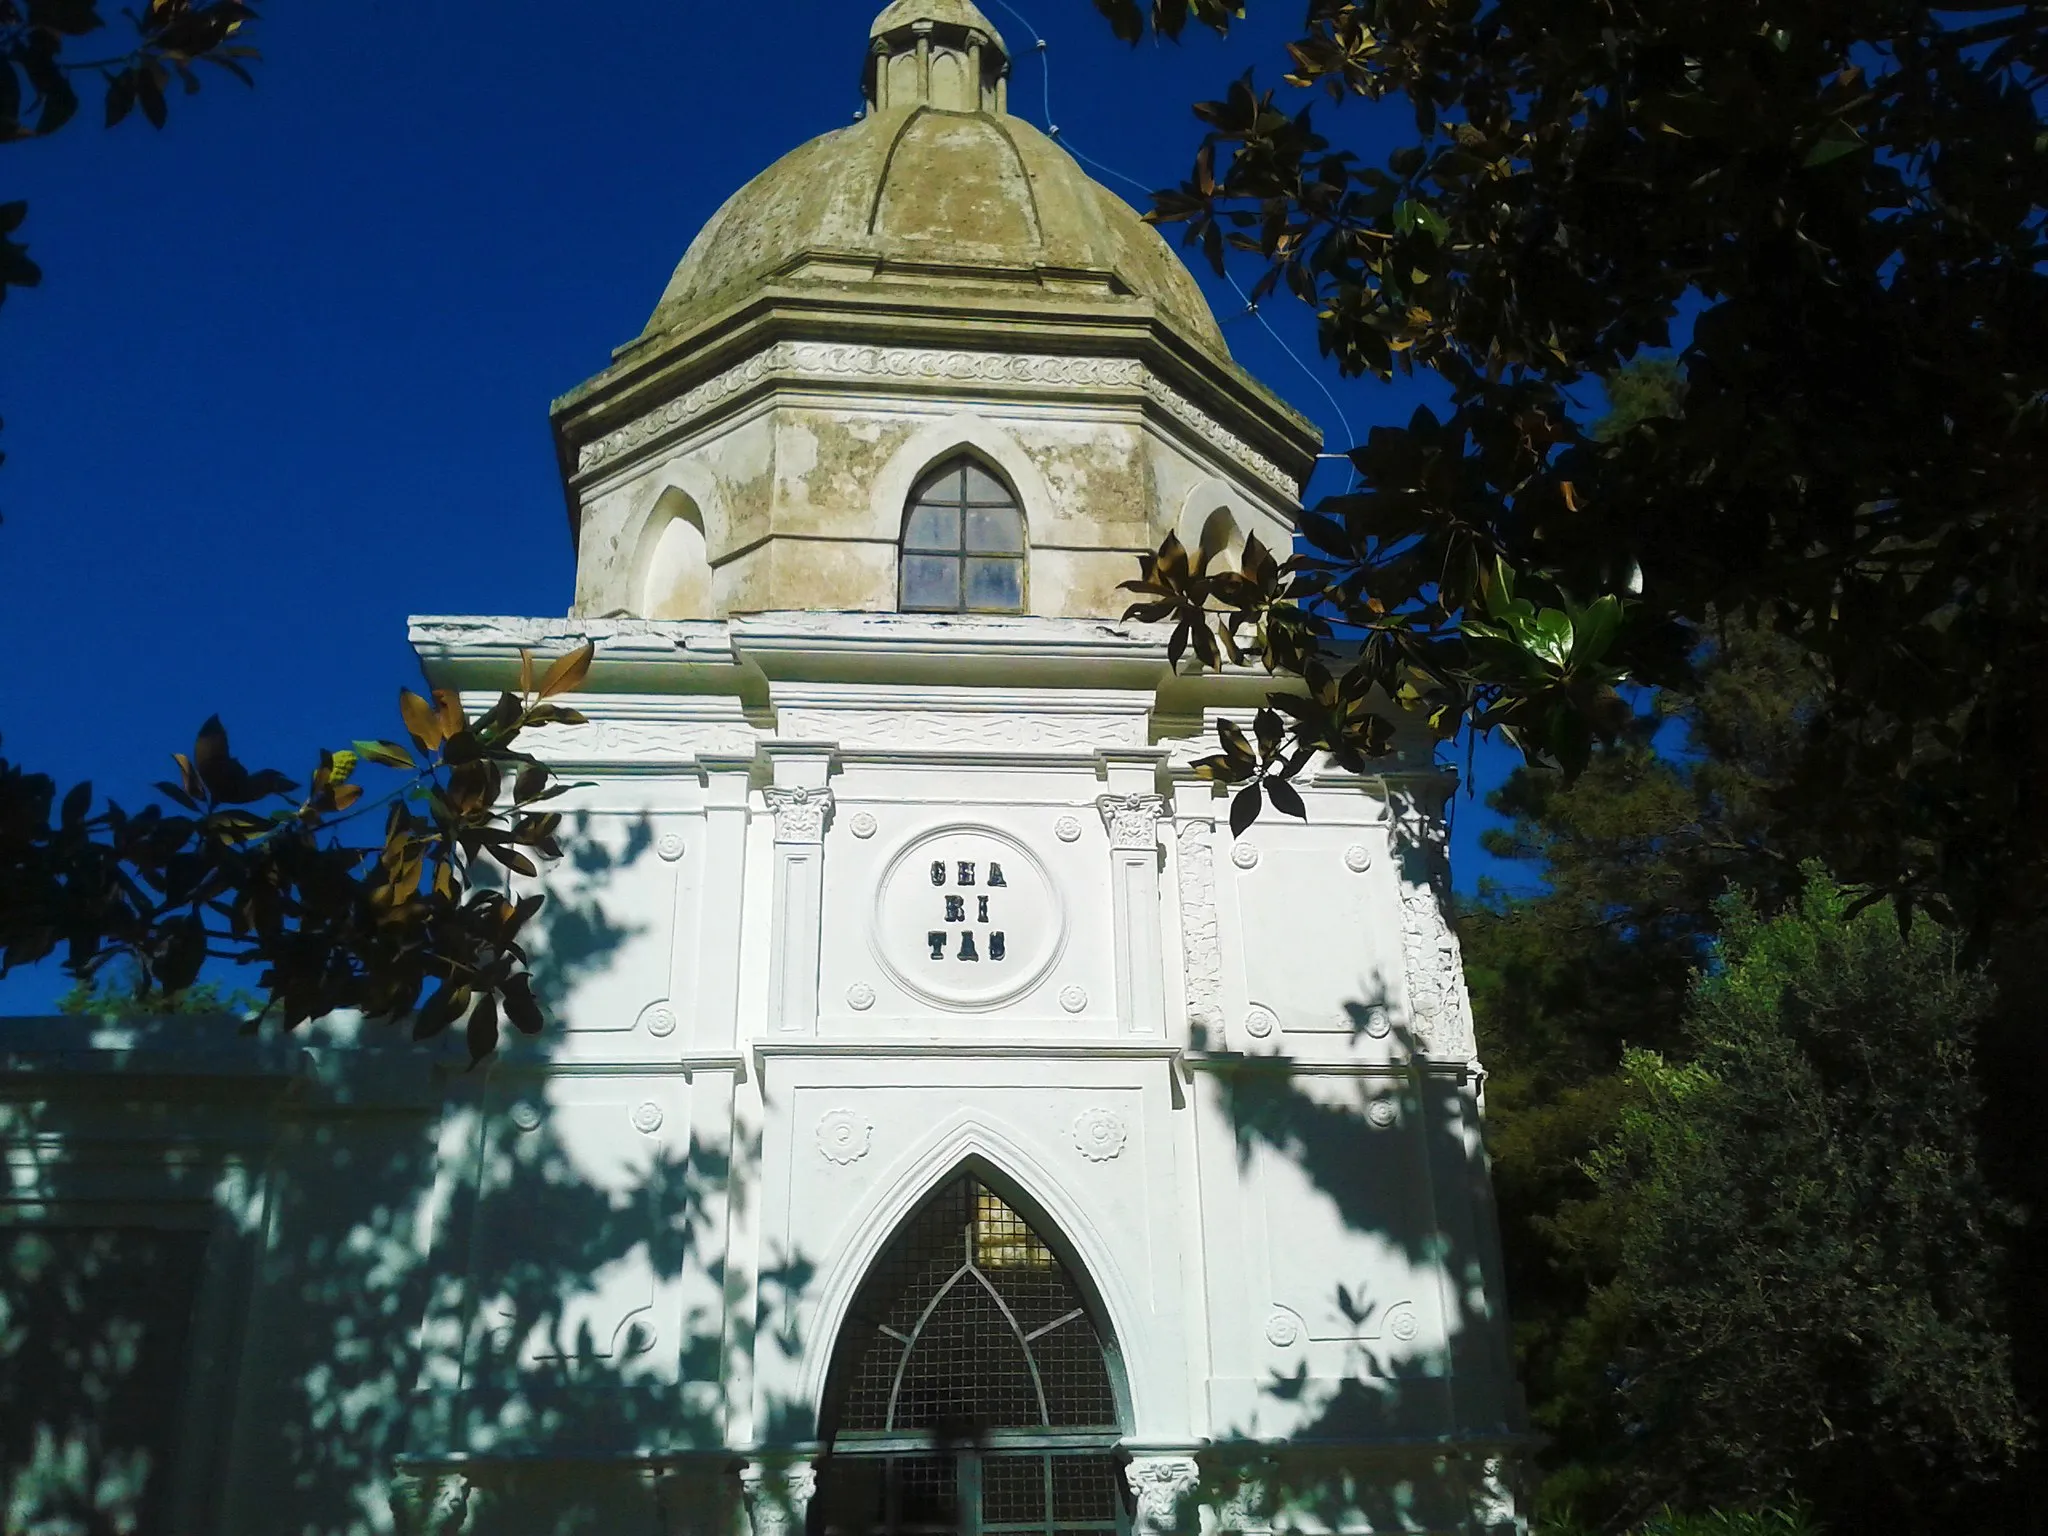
(300, 1306)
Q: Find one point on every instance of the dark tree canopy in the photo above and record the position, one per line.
(1835, 213)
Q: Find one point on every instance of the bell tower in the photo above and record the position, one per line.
(936, 53)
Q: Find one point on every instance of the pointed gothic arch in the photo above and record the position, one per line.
(975, 1386)
(963, 547)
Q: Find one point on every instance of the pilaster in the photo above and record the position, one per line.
(801, 803)
(1133, 822)
(721, 902)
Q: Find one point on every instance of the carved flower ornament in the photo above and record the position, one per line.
(845, 1136)
(1100, 1134)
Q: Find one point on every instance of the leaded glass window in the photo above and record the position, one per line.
(963, 544)
(972, 1392)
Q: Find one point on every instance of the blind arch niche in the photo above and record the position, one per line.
(974, 1388)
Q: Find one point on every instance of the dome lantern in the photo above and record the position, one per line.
(936, 53)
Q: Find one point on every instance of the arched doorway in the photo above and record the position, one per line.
(972, 1390)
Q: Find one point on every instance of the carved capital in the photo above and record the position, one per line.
(1494, 1509)
(1246, 1505)
(436, 1505)
(1132, 820)
(779, 1497)
(1161, 1485)
(799, 814)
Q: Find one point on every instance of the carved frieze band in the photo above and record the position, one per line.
(799, 814)
(975, 732)
(642, 740)
(1439, 1009)
(1201, 948)
(919, 365)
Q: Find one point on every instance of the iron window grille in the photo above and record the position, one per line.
(963, 544)
(973, 1393)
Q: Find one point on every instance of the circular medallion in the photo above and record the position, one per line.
(863, 825)
(1100, 1134)
(1245, 855)
(1376, 1023)
(526, 1115)
(1074, 999)
(967, 918)
(1402, 1325)
(844, 1137)
(1260, 1023)
(1067, 829)
(661, 1021)
(1383, 1113)
(1282, 1331)
(671, 846)
(1358, 858)
(860, 997)
(647, 1117)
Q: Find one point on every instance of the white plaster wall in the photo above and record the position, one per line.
(549, 1284)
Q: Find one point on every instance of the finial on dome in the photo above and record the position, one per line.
(936, 53)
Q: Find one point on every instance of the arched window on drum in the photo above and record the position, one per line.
(963, 543)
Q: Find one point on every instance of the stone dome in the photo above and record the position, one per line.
(920, 195)
(959, 13)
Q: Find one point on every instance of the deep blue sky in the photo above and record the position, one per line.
(286, 380)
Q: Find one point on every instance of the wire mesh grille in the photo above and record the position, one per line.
(970, 1325)
(1054, 1493)
(970, 1322)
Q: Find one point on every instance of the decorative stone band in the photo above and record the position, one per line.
(1201, 947)
(1132, 820)
(799, 814)
(930, 731)
(928, 366)
(1439, 1010)
(627, 741)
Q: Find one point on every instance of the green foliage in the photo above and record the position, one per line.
(1806, 1288)
(1633, 857)
(250, 868)
(1649, 389)
(1795, 1521)
(1848, 202)
(119, 992)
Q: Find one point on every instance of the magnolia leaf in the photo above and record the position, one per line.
(1244, 809)
(420, 719)
(567, 673)
(1836, 140)
(1286, 799)
(386, 754)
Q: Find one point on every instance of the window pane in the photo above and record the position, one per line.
(985, 489)
(995, 531)
(994, 586)
(1014, 1488)
(931, 581)
(1085, 1488)
(932, 528)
